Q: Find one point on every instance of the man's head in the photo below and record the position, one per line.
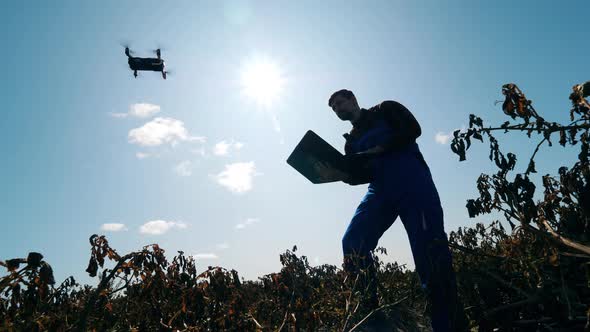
(344, 104)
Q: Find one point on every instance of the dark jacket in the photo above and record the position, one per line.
(404, 126)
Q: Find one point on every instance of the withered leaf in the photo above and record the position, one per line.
(34, 259)
(92, 267)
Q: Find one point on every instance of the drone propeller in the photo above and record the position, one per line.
(159, 47)
(127, 46)
(124, 42)
(157, 52)
(170, 72)
(128, 51)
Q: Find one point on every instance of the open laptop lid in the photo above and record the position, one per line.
(313, 148)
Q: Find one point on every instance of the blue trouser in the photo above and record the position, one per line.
(403, 186)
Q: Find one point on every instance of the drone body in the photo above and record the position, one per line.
(146, 64)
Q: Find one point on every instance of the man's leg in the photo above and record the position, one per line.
(371, 219)
(432, 257)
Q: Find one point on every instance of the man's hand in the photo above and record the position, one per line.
(361, 158)
(329, 173)
(364, 156)
(359, 165)
(375, 150)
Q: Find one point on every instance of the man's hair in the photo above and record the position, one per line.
(344, 93)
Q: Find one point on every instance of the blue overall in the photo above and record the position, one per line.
(402, 186)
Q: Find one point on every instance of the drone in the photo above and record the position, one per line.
(146, 64)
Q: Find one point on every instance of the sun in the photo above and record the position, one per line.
(262, 81)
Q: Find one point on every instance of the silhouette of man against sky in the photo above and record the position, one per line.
(382, 151)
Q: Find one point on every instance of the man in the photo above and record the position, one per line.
(381, 149)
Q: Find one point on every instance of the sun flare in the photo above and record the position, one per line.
(262, 81)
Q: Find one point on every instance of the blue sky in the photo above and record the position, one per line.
(196, 164)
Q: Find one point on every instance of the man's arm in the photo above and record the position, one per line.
(358, 168)
(406, 129)
(355, 174)
(356, 163)
(405, 126)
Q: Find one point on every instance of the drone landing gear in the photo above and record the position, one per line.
(135, 73)
(164, 74)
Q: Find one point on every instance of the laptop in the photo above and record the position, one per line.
(311, 149)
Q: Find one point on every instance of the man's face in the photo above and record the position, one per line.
(343, 107)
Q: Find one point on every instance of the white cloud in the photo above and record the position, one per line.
(158, 227)
(247, 223)
(119, 115)
(160, 131)
(184, 168)
(113, 227)
(208, 255)
(223, 148)
(442, 138)
(200, 139)
(143, 110)
(200, 151)
(237, 177)
(142, 155)
(275, 122)
(139, 110)
(222, 246)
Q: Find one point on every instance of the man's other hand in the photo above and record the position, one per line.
(358, 159)
(375, 150)
(329, 173)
